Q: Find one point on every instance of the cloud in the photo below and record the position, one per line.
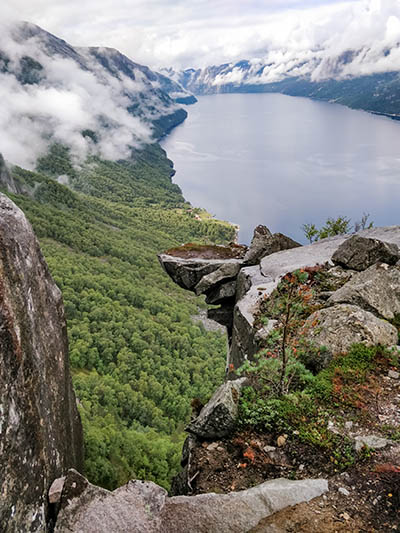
(185, 33)
(68, 100)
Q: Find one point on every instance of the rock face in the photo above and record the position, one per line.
(377, 289)
(342, 325)
(218, 418)
(6, 180)
(359, 253)
(40, 429)
(143, 507)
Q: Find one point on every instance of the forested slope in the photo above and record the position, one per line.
(137, 357)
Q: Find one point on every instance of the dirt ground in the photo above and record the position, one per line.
(365, 497)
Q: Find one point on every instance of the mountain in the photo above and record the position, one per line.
(81, 159)
(93, 100)
(353, 78)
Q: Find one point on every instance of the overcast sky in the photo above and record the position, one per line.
(195, 33)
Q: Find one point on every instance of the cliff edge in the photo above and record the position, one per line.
(40, 428)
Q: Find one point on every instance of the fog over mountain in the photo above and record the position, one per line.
(93, 100)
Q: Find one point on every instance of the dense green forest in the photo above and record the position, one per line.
(137, 356)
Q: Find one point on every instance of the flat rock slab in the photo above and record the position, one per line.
(376, 289)
(143, 507)
(342, 325)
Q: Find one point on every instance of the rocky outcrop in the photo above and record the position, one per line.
(377, 289)
(265, 243)
(240, 286)
(40, 429)
(143, 507)
(342, 325)
(218, 418)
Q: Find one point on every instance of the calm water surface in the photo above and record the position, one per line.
(283, 161)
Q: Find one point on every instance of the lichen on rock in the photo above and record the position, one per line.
(40, 428)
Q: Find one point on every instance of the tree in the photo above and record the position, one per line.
(335, 226)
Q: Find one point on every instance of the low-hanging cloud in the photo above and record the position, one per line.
(69, 98)
(173, 33)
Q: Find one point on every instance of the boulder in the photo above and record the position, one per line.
(359, 253)
(222, 293)
(188, 272)
(264, 243)
(225, 272)
(134, 507)
(342, 325)
(218, 417)
(40, 428)
(376, 289)
(143, 507)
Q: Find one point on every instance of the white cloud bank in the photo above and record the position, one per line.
(198, 33)
(68, 100)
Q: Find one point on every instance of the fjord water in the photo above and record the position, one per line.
(284, 161)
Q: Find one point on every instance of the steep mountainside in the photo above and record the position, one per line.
(102, 203)
(94, 100)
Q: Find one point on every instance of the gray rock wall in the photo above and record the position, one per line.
(40, 428)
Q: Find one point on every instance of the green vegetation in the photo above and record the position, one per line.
(296, 388)
(304, 414)
(335, 226)
(137, 356)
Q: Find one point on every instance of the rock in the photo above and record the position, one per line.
(376, 289)
(40, 428)
(7, 181)
(269, 449)
(140, 507)
(372, 441)
(227, 271)
(393, 374)
(187, 273)
(134, 507)
(188, 264)
(56, 490)
(222, 315)
(218, 416)
(342, 325)
(343, 491)
(222, 293)
(359, 253)
(264, 243)
(260, 242)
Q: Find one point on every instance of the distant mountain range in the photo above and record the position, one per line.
(345, 79)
